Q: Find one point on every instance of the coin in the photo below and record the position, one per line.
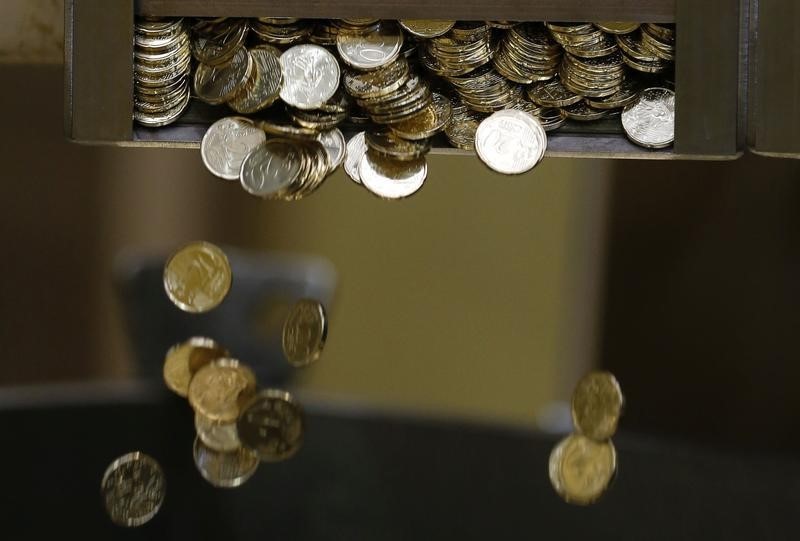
(267, 81)
(356, 148)
(597, 405)
(272, 425)
(335, 145)
(215, 435)
(133, 489)
(218, 389)
(392, 179)
(271, 169)
(510, 142)
(618, 27)
(428, 122)
(218, 84)
(226, 143)
(304, 332)
(310, 76)
(552, 94)
(197, 277)
(581, 469)
(426, 28)
(183, 360)
(583, 112)
(650, 120)
(224, 469)
(372, 50)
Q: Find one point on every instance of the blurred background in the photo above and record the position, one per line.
(482, 297)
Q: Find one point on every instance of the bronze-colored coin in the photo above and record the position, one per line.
(216, 85)
(428, 122)
(133, 489)
(266, 85)
(582, 469)
(224, 469)
(597, 405)
(218, 389)
(618, 27)
(184, 360)
(272, 424)
(197, 277)
(304, 332)
(426, 28)
(215, 435)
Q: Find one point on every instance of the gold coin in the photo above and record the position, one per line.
(133, 489)
(431, 120)
(197, 277)
(218, 389)
(183, 360)
(427, 28)
(224, 469)
(217, 436)
(618, 27)
(597, 405)
(581, 469)
(304, 332)
(267, 81)
(272, 424)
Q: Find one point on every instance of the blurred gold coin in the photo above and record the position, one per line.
(427, 28)
(618, 27)
(183, 360)
(224, 469)
(133, 489)
(217, 390)
(304, 332)
(581, 469)
(272, 424)
(197, 277)
(597, 405)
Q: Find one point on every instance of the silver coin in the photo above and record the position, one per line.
(650, 120)
(227, 143)
(334, 144)
(270, 169)
(224, 469)
(392, 179)
(510, 141)
(216, 435)
(370, 51)
(310, 76)
(356, 148)
(133, 489)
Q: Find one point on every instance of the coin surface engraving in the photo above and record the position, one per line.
(510, 142)
(218, 389)
(226, 144)
(133, 489)
(581, 469)
(304, 332)
(184, 360)
(197, 277)
(310, 76)
(224, 469)
(272, 424)
(597, 405)
(650, 120)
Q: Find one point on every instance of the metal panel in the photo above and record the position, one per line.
(98, 68)
(707, 77)
(774, 123)
(532, 10)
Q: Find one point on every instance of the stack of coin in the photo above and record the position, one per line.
(224, 64)
(527, 54)
(583, 464)
(653, 55)
(485, 90)
(161, 65)
(281, 30)
(466, 47)
(461, 130)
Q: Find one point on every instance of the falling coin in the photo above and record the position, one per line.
(197, 277)
(597, 405)
(392, 179)
(215, 435)
(133, 489)
(304, 332)
(356, 148)
(310, 76)
(224, 469)
(184, 360)
(226, 144)
(218, 389)
(581, 469)
(272, 424)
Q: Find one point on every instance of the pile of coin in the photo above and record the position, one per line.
(650, 49)
(583, 464)
(161, 66)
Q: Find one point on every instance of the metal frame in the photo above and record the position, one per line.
(99, 91)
